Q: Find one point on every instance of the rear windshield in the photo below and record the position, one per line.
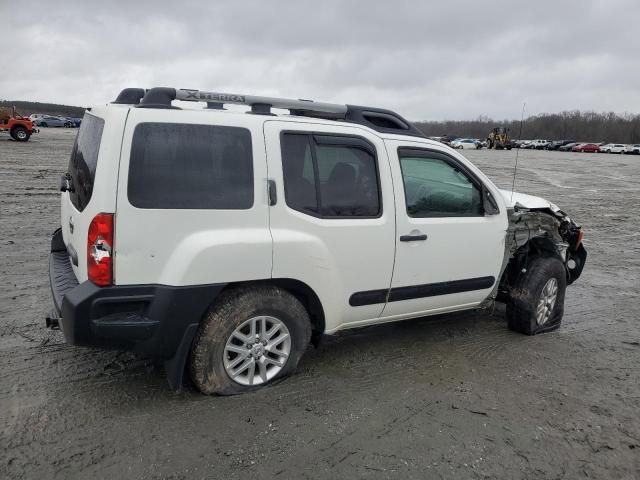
(84, 158)
(190, 166)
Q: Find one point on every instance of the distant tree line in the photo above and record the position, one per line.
(575, 125)
(27, 108)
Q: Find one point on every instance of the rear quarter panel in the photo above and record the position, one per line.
(181, 247)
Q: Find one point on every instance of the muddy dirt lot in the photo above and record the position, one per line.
(448, 397)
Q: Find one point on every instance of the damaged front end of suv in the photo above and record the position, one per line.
(539, 237)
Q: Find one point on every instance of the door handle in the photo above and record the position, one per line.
(413, 238)
(273, 196)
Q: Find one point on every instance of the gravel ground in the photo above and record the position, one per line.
(448, 397)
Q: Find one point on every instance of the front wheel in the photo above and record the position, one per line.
(537, 299)
(250, 338)
(20, 134)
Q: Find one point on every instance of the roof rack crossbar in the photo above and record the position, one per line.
(189, 95)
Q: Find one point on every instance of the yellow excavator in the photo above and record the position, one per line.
(499, 139)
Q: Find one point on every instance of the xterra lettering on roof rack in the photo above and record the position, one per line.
(381, 120)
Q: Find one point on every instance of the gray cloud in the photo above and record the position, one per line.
(427, 60)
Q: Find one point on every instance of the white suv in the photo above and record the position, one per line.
(223, 242)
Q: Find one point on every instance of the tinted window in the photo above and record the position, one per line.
(436, 188)
(190, 166)
(84, 159)
(330, 180)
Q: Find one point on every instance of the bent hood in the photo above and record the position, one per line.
(526, 201)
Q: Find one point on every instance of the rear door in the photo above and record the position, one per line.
(333, 223)
(192, 199)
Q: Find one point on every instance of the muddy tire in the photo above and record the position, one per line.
(20, 134)
(250, 338)
(537, 300)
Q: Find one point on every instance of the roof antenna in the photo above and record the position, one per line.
(515, 168)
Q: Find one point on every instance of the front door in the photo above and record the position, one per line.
(449, 244)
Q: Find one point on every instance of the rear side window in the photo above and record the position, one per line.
(182, 166)
(84, 159)
(330, 176)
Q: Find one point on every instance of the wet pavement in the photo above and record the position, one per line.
(456, 396)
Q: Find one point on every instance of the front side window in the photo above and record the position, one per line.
(436, 187)
(330, 176)
(183, 166)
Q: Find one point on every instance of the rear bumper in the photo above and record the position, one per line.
(152, 320)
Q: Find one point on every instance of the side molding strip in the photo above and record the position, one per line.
(371, 297)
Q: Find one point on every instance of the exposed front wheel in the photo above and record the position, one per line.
(537, 299)
(251, 337)
(20, 134)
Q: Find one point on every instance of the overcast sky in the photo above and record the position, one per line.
(425, 59)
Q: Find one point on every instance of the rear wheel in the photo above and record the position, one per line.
(20, 134)
(44, 124)
(537, 300)
(250, 338)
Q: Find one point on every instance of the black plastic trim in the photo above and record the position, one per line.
(273, 192)
(158, 97)
(130, 96)
(362, 115)
(371, 297)
(148, 319)
(413, 238)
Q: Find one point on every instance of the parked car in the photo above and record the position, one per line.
(613, 148)
(556, 144)
(279, 229)
(466, 144)
(75, 121)
(568, 147)
(538, 144)
(586, 147)
(36, 116)
(53, 121)
(633, 149)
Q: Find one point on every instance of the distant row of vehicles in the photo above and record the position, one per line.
(45, 120)
(573, 146)
(498, 139)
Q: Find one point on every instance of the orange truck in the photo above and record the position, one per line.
(20, 128)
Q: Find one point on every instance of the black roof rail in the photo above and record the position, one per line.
(158, 97)
(379, 119)
(130, 96)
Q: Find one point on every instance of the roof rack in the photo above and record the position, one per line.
(378, 119)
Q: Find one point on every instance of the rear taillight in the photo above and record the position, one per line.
(100, 250)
